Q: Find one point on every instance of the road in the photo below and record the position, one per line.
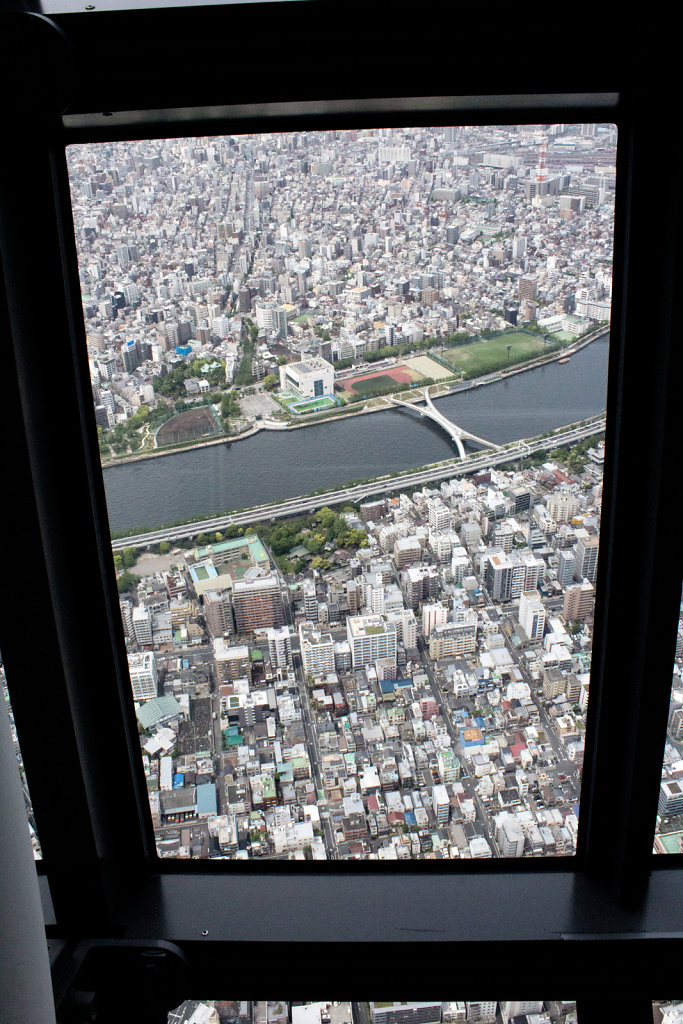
(382, 485)
(562, 764)
(467, 781)
(309, 730)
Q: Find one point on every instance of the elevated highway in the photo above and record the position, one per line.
(382, 485)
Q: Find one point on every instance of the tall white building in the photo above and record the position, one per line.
(508, 575)
(271, 317)
(461, 565)
(308, 379)
(532, 614)
(566, 566)
(510, 839)
(406, 625)
(562, 505)
(279, 646)
(433, 615)
(142, 624)
(439, 514)
(143, 675)
(317, 650)
(586, 552)
(456, 638)
(518, 247)
(441, 803)
(370, 638)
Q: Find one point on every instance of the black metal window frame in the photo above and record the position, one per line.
(61, 639)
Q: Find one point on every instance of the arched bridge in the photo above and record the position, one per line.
(455, 432)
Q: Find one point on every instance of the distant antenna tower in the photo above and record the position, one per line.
(541, 169)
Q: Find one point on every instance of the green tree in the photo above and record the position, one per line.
(326, 516)
(130, 557)
(270, 382)
(126, 582)
(164, 547)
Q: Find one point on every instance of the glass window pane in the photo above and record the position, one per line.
(394, 669)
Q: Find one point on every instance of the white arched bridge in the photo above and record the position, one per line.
(455, 432)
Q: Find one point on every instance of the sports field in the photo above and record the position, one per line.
(313, 404)
(187, 426)
(479, 357)
(372, 383)
(427, 367)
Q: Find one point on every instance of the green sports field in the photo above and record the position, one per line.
(479, 357)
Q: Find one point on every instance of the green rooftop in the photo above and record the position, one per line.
(232, 739)
(256, 549)
(671, 842)
(156, 710)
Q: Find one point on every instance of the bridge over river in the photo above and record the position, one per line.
(455, 432)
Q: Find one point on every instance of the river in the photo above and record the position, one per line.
(277, 464)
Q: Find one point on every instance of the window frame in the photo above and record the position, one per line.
(103, 875)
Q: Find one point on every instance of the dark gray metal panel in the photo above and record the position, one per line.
(414, 909)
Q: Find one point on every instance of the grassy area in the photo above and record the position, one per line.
(480, 357)
(379, 385)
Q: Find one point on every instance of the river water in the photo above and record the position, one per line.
(279, 464)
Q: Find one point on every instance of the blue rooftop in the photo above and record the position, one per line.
(389, 685)
(206, 798)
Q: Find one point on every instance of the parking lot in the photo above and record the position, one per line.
(259, 404)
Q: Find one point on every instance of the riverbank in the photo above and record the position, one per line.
(356, 491)
(383, 403)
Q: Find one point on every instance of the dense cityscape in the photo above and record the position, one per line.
(396, 677)
(195, 1011)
